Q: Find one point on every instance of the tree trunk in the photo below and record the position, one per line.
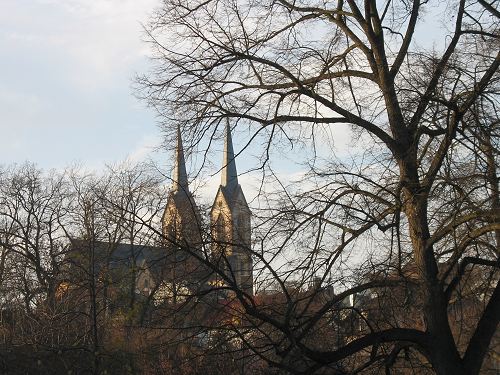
(444, 355)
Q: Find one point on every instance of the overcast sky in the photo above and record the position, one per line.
(66, 68)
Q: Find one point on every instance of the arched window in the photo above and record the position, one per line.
(219, 234)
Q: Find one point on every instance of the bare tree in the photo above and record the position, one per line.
(70, 244)
(33, 210)
(416, 203)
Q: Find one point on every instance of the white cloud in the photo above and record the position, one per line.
(144, 148)
(66, 72)
(94, 42)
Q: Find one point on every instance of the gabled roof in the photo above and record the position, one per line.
(230, 196)
(116, 256)
(182, 200)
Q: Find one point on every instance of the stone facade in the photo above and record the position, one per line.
(230, 228)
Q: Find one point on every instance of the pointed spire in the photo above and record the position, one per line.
(180, 176)
(229, 173)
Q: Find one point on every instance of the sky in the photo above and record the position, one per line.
(66, 70)
(66, 97)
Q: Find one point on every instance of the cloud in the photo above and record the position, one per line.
(94, 42)
(144, 148)
(66, 71)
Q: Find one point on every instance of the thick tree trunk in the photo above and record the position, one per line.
(443, 352)
(492, 179)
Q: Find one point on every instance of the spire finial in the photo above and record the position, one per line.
(180, 180)
(229, 173)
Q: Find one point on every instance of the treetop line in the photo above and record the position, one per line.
(386, 262)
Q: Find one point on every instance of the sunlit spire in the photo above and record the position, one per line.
(180, 180)
(229, 174)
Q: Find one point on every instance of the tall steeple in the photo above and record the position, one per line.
(180, 180)
(181, 229)
(231, 223)
(181, 213)
(229, 177)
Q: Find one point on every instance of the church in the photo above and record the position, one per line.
(190, 258)
(230, 228)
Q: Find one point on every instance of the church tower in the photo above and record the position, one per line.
(181, 224)
(230, 223)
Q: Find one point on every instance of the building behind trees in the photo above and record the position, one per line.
(381, 258)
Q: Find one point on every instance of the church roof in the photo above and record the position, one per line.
(118, 256)
(233, 197)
